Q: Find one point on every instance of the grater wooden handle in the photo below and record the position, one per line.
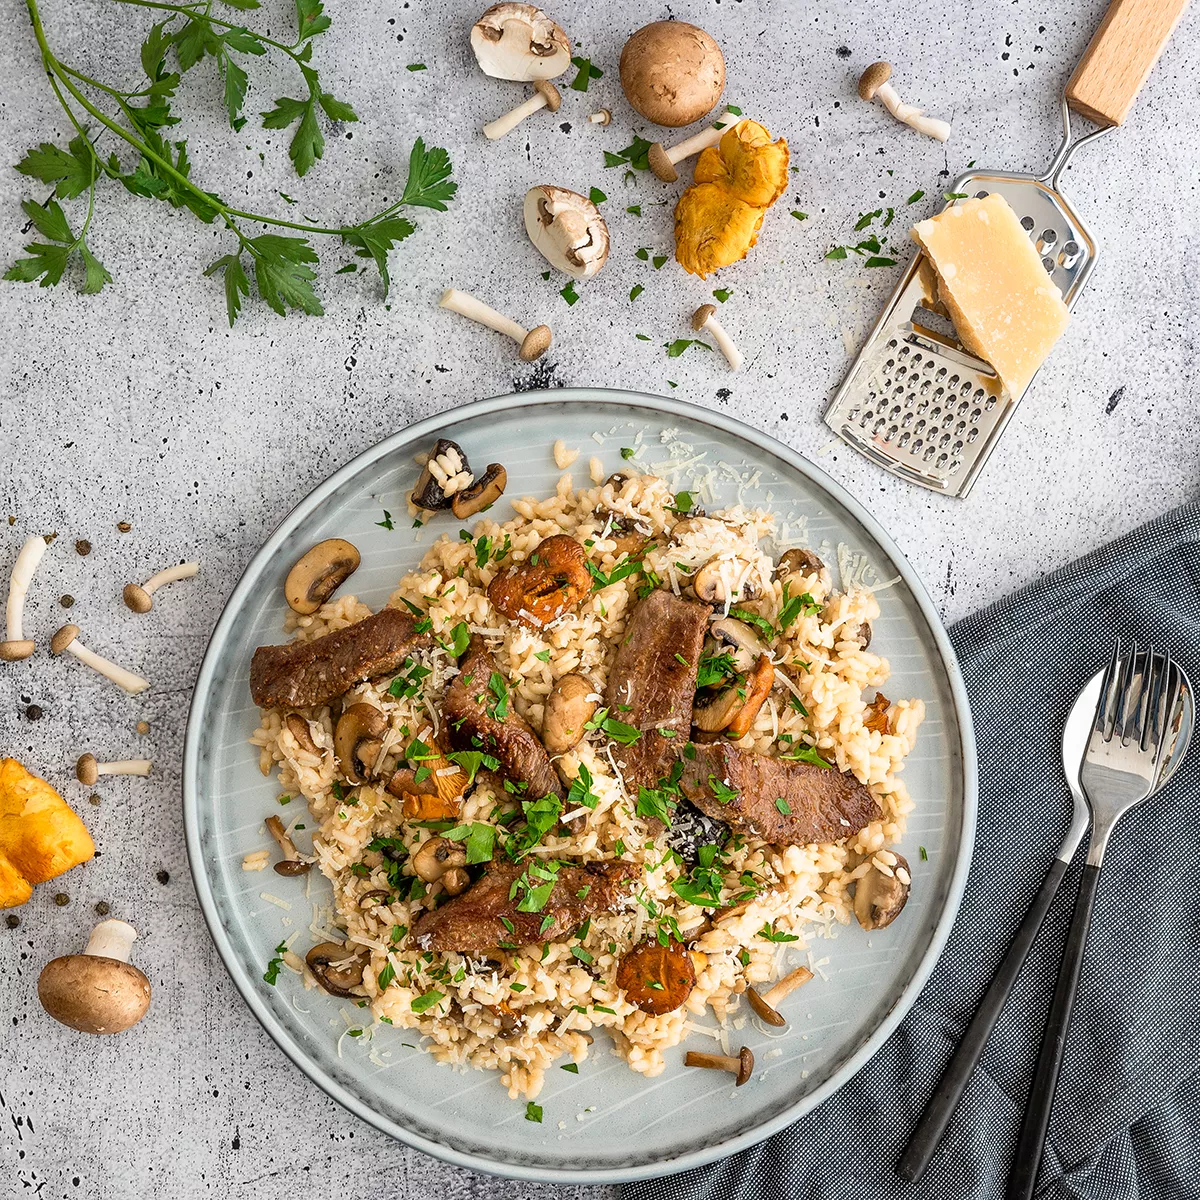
(1120, 56)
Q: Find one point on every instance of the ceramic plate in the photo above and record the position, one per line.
(606, 1123)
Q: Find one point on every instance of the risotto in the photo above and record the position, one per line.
(733, 908)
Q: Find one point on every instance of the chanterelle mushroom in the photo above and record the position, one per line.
(567, 229)
(99, 990)
(673, 73)
(520, 43)
(873, 83)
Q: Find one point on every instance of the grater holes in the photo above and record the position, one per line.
(981, 195)
(1047, 241)
(904, 440)
(1069, 255)
(989, 404)
(972, 436)
(1048, 263)
(1027, 224)
(976, 413)
(954, 467)
(891, 433)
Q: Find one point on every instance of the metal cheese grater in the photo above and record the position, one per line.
(915, 402)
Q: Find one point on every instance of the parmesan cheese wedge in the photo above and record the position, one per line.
(1005, 307)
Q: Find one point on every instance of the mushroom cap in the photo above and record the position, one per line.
(137, 598)
(318, 573)
(661, 164)
(359, 723)
(673, 73)
(873, 78)
(86, 769)
(94, 994)
(552, 94)
(63, 638)
(536, 343)
(520, 43)
(14, 651)
(745, 1065)
(485, 491)
(701, 315)
(567, 229)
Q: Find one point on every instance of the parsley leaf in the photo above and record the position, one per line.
(679, 345)
(580, 794)
(271, 975)
(807, 754)
(585, 73)
(533, 1112)
(428, 1000)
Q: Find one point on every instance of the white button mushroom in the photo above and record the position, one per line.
(704, 319)
(533, 342)
(16, 645)
(567, 229)
(88, 770)
(873, 82)
(98, 991)
(138, 597)
(545, 95)
(520, 43)
(67, 639)
(664, 161)
(601, 116)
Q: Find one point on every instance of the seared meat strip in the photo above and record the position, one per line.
(482, 717)
(825, 805)
(304, 674)
(475, 922)
(653, 681)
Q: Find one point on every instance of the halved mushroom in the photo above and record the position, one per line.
(338, 967)
(879, 897)
(741, 639)
(722, 580)
(301, 730)
(356, 740)
(430, 492)
(798, 562)
(656, 978)
(569, 707)
(766, 1005)
(734, 709)
(319, 573)
(567, 230)
(861, 635)
(444, 861)
(291, 862)
(520, 43)
(482, 494)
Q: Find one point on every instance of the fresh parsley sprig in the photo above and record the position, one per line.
(281, 266)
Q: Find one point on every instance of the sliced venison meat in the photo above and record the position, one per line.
(486, 915)
(741, 788)
(480, 715)
(304, 674)
(653, 681)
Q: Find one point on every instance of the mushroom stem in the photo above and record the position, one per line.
(911, 115)
(138, 598)
(663, 161)
(17, 646)
(705, 318)
(291, 863)
(545, 96)
(67, 638)
(112, 939)
(533, 342)
(785, 986)
(600, 117)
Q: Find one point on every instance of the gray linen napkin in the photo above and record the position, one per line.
(1126, 1118)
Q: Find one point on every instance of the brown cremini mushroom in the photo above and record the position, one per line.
(16, 645)
(879, 896)
(482, 494)
(67, 639)
(318, 573)
(766, 1004)
(139, 597)
(704, 320)
(734, 709)
(98, 990)
(338, 967)
(798, 561)
(446, 472)
(873, 83)
(672, 73)
(437, 858)
(301, 731)
(722, 580)
(88, 770)
(291, 864)
(545, 95)
(741, 1064)
(518, 42)
(356, 740)
(569, 707)
(533, 342)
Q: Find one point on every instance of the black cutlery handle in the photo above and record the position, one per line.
(944, 1101)
(1040, 1102)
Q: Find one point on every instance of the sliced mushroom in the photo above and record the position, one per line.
(300, 729)
(798, 562)
(876, 716)
(656, 978)
(356, 740)
(741, 639)
(879, 897)
(430, 493)
(766, 1005)
(741, 1064)
(456, 881)
(735, 708)
(861, 635)
(437, 857)
(569, 707)
(482, 494)
(520, 43)
(291, 863)
(319, 573)
(722, 580)
(338, 967)
(567, 230)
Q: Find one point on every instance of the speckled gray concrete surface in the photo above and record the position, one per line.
(142, 406)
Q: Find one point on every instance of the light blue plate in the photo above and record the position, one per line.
(631, 1127)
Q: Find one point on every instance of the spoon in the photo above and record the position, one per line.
(1078, 728)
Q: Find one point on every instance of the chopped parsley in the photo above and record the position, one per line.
(460, 638)
(498, 708)
(924, 853)
(533, 1112)
(580, 953)
(636, 291)
(772, 935)
(581, 794)
(802, 605)
(722, 792)
(386, 976)
(627, 452)
(783, 806)
(585, 73)
(471, 761)
(807, 754)
(573, 1068)
(387, 522)
(479, 841)
(596, 196)
(568, 293)
(271, 975)
(679, 345)
(428, 1000)
(621, 733)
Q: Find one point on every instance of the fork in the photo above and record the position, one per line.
(1130, 737)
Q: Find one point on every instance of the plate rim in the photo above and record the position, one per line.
(609, 398)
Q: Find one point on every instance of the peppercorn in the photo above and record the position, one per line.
(102, 909)
(62, 899)
(83, 546)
